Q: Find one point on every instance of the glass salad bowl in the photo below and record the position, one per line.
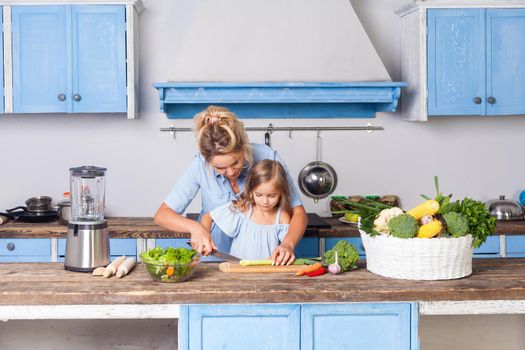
(164, 265)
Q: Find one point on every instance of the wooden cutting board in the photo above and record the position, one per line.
(235, 267)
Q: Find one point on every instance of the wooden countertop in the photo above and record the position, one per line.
(137, 227)
(124, 227)
(50, 284)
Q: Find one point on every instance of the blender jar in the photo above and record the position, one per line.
(88, 187)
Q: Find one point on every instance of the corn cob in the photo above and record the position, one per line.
(430, 230)
(429, 207)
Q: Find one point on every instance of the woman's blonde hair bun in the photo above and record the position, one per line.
(220, 132)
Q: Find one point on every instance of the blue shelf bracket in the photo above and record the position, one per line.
(182, 100)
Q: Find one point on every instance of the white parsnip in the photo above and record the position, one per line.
(111, 269)
(99, 271)
(125, 267)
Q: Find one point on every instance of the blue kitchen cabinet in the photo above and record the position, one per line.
(308, 247)
(69, 59)
(385, 326)
(117, 247)
(25, 250)
(254, 327)
(515, 246)
(474, 61)
(489, 249)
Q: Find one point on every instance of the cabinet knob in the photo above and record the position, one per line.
(10, 246)
(77, 97)
(61, 97)
(478, 100)
(491, 100)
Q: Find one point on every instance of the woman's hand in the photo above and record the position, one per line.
(283, 254)
(201, 240)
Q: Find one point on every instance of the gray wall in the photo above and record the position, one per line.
(473, 156)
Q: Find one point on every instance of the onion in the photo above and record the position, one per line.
(334, 268)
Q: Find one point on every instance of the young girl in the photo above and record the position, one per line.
(258, 221)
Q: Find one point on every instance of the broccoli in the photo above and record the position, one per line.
(347, 255)
(457, 224)
(403, 226)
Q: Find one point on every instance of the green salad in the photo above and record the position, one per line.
(170, 264)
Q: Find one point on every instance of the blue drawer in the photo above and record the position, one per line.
(117, 247)
(355, 241)
(489, 249)
(515, 246)
(25, 250)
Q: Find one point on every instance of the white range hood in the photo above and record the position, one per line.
(272, 58)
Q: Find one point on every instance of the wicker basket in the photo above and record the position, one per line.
(418, 258)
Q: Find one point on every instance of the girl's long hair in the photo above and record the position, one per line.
(265, 171)
(220, 132)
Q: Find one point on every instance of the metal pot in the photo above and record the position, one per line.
(504, 209)
(317, 179)
(39, 204)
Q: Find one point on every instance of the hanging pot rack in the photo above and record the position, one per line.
(271, 128)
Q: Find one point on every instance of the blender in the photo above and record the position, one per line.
(87, 240)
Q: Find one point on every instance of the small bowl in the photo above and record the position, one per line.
(172, 273)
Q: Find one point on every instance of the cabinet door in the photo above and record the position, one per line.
(515, 246)
(456, 62)
(99, 58)
(40, 65)
(505, 61)
(253, 327)
(359, 326)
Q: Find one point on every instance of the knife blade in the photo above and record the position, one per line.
(221, 255)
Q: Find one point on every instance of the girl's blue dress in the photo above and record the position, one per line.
(250, 240)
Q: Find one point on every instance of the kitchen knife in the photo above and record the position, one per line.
(221, 255)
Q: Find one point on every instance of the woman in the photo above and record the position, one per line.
(219, 171)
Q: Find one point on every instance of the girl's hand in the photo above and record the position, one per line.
(283, 255)
(201, 241)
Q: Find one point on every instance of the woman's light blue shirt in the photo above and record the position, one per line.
(216, 190)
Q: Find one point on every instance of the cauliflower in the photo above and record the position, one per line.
(457, 224)
(381, 222)
(403, 226)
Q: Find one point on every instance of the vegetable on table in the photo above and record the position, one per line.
(368, 211)
(320, 271)
(456, 223)
(111, 269)
(430, 230)
(403, 226)
(481, 223)
(429, 207)
(169, 264)
(347, 255)
(308, 269)
(334, 268)
(381, 222)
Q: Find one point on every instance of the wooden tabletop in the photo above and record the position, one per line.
(50, 284)
(143, 227)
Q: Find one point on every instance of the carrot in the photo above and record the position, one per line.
(170, 271)
(309, 268)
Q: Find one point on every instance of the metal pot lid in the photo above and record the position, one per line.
(88, 171)
(317, 180)
(504, 209)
